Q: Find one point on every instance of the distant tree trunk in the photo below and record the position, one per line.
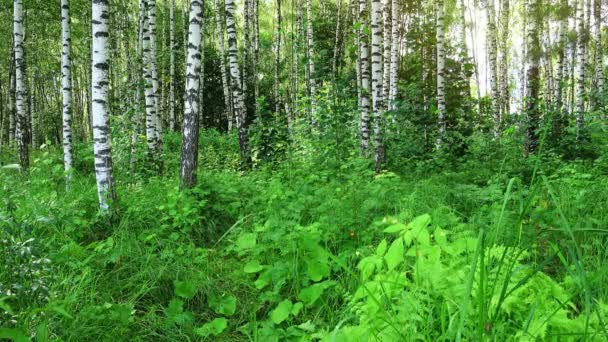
(247, 54)
(493, 68)
(394, 65)
(560, 67)
(67, 88)
(355, 11)
(189, 158)
(172, 66)
(235, 75)
(533, 78)
(311, 60)
(12, 125)
(277, 59)
(99, 89)
(256, 53)
(222, 50)
(386, 46)
(151, 9)
(504, 97)
(20, 91)
(580, 68)
(334, 64)
(365, 73)
(377, 83)
(440, 76)
(599, 60)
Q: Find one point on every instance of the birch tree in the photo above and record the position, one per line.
(312, 83)
(20, 91)
(493, 61)
(504, 98)
(532, 78)
(277, 58)
(67, 87)
(189, 158)
(235, 76)
(580, 67)
(394, 63)
(599, 62)
(365, 86)
(440, 75)
(99, 106)
(219, 29)
(172, 65)
(377, 82)
(150, 96)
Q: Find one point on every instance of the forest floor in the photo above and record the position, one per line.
(489, 246)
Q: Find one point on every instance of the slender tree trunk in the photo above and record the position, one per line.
(67, 88)
(312, 83)
(599, 56)
(580, 68)
(172, 66)
(235, 76)
(505, 100)
(189, 159)
(377, 83)
(386, 46)
(334, 65)
(277, 59)
(151, 9)
(440, 76)
(533, 78)
(99, 90)
(493, 69)
(12, 125)
(20, 91)
(394, 63)
(365, 75)
(222, 50)
(355, 10)
(255, 57)
(560, 68)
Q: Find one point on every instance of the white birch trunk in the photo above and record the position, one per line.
(67, 88)
(377, 83)
(311, 60)
(225, 84)
(365, 75)
(99, 106)
(580, 67)
(394, 56)
(172, 66)
(440, 75)
(189, 158)
(20, 91)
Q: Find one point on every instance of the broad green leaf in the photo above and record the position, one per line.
(215, 327)
(281, 312)
(420, 222)
(246, 241)
(176, 314)
(394, 256)
(317, 270)
(4, 306)
(15, 335)
(310, 294)
(225, 305)
(185, 289)
(253, 266)
(263, 280)
(381, 248)
(295, 309)
(395, 228)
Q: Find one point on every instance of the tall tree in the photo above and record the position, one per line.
(394, 64)
(580, 67)
(235, 76)
(277, 58)
(386, 46)
(67, 87)
(151, 113)
(504, 98)
(189, 159)
(377, 82)
(532, 77)
(599, 62)
(99, 106)
(172, 65)
(493, 67)
(440, 75)
(312, 83)
(151, 10)
(219, 27)
(20, 80)
(365, 73)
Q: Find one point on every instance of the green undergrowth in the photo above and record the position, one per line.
(495, 248)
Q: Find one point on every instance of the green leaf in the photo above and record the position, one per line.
(263, 280)
(185, 289)
(295, 309)
(317, 270)
(395, 228)
(225, 305)
(215, 327)
(310, 294)
(176, 314)
(281, 312)
(253, 266)
(420, 222)
(16, 335)
(4, 306)
(395, 254)
(381, 248)
(246, 241)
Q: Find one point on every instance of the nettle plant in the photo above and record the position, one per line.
(426, 284)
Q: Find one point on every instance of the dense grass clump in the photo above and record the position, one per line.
(489, 246)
